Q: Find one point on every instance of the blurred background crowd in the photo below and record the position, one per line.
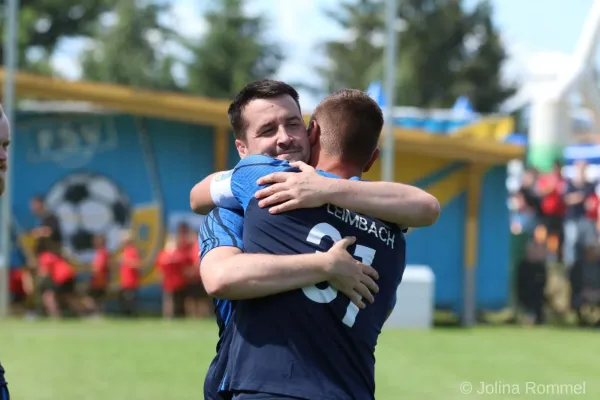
(558, 217)
(47, 283)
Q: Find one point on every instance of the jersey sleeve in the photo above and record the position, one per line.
(249, 170)
(221, 227)
(220, 191)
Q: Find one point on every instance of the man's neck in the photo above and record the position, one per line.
(334, 166)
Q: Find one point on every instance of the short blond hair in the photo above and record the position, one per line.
(351, 123)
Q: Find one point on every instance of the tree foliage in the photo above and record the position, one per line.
(128, 50)
(43, 23)
(444, 51)
(233, 52)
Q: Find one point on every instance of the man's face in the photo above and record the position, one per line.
(4, 142)
(275, 128)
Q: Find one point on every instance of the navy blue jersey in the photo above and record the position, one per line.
(313, 342)
(221, 227)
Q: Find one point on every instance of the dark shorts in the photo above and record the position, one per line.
(97, 293)
(45, 284)
(554, 224)
(196, 291)
(178, 297)
(18, 297)
(4, 394)
(261, 396)
(66, 287)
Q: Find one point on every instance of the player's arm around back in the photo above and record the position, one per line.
(405, 205)
(228, 273)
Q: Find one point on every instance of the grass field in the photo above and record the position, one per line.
(153, 359)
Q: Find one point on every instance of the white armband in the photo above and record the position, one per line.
(220, 191)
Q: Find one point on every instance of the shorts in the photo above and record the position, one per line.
(261, 396)
(196, 291)
(45, 284)
(97, 293)
(178, 297)
(66, 287)
(4, 394)
(554, 225)
(19, 297)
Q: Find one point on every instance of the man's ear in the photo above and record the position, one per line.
(374, 157)
(314, 132)
(241, 148)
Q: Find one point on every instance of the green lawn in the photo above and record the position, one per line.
(152, 359)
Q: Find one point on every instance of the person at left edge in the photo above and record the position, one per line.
(4, 143)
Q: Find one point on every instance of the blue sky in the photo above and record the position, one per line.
(529, 27)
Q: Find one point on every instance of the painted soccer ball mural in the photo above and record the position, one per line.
(87, 205)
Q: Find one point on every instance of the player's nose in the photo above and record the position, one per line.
(284, 139)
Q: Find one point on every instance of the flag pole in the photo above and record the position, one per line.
(389, 147)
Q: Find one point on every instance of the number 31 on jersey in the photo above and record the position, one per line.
(324, 296)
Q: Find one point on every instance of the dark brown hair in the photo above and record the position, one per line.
(262, 89)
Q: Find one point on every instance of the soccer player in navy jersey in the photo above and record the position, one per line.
(4, 143)
(228, 233)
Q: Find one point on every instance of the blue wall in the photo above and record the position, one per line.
(442, 246)
(182, 154)
(493, 261)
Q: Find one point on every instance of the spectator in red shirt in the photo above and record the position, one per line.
(58, 280)
(100, 280)
(551, 188)
(173, 263)
(130, 276)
